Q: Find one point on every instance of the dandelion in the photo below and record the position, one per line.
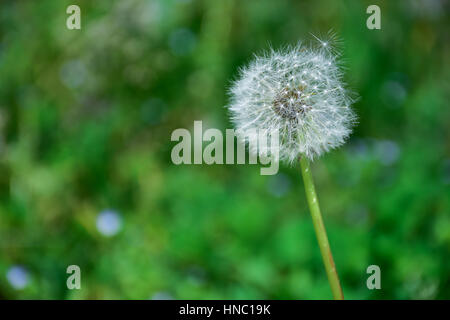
(298, 93)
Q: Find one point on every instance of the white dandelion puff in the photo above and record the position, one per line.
(297, 92)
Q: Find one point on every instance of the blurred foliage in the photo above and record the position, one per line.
(86, 118)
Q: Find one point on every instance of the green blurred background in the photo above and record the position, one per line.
(86, 177)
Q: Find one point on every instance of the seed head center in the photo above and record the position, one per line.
(290, 103)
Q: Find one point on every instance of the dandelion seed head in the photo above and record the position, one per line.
(299, 92)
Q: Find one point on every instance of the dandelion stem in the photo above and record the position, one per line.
(319, 227)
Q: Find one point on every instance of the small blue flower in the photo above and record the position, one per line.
(109, 223)
(17, 277)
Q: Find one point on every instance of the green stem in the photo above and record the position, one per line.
(319, 227)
